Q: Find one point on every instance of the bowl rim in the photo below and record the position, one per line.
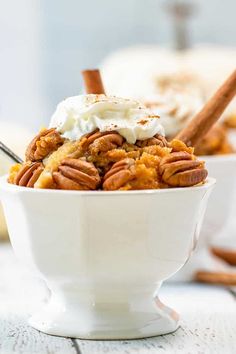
(4, 185)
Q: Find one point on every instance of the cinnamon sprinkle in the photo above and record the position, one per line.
(143, 122)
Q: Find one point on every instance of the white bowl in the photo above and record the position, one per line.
(217, 224)
(223, 169)
(104, 255)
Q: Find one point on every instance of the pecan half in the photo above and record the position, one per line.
(28, 174)
(156, 140)
(120, 173)
(101, 141)
(76, 174)
(43, 144)
(180, 169)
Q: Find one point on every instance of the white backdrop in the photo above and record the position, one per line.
(45, 43)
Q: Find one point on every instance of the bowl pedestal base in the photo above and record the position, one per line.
(76, 315)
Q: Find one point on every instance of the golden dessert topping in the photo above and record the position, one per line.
(215, 142)
(178, 145)
(156, 140)
(47, 141)
(121, 173)
(101, 141)
(28, 174)
(230, 121)
(53, 162)
(76, 174)
(181, 169)
(13, 172)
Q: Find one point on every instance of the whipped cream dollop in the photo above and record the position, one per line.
(79, 115)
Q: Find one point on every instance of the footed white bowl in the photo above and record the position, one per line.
(104, 255)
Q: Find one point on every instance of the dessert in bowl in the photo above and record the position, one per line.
(105, 209)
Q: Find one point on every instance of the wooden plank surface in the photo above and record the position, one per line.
(208, 319)
(208, 325)
(19, 295)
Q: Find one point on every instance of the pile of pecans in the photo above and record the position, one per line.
(105, 161)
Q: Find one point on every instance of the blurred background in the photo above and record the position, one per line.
(45, 44)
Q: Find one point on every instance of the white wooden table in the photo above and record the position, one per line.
(208, 323)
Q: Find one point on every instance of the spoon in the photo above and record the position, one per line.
(10, 153)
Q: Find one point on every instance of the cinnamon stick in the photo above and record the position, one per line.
(93, 82)
(210, 113)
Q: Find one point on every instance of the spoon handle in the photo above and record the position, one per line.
(10, 153)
